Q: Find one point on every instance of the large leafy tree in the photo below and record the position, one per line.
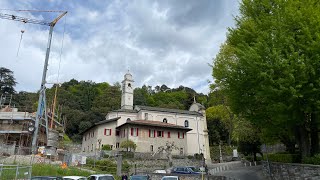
(7, 81)
(269, 68)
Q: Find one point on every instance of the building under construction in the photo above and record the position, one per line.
(17, 128)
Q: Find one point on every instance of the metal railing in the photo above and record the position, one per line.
(15, 172)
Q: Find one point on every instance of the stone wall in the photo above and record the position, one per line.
(291, 171)
(149, 166)
(7, 149)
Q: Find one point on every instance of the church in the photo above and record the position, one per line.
(150, 127)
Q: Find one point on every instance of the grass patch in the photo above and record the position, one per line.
(54, 170)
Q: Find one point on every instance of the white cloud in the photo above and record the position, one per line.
(161, 42)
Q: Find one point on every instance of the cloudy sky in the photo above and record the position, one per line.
(161, 42)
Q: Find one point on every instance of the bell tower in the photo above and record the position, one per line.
(127, 92)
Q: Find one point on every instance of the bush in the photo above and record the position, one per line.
(128, 144)
(284, 158)
(53, 170)
(190, 157)
(312, 160)
(107, 166)
(125, 166)
(198, 156)
(106, 147)
(225, 150)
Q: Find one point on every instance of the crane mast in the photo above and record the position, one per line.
(41, 110)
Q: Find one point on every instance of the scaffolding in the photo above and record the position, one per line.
(15, 133)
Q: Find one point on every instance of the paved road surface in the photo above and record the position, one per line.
(245, 173)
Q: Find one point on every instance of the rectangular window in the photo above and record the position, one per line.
(169, 134)
(117, 145)
(134, 132)
(117, 133)
(160, 133)
(151, 148)
(180, 135)
(107, 132)
(152, 133)
(146, 116)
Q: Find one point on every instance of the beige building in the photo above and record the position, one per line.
(150, 127)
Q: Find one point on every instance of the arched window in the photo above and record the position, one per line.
(165, 120)
(128, 119)
(186, 123)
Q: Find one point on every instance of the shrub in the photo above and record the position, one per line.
(284, 158)
(225, 150)
(190, 157)
(106, 147)
(128, 144)
(312, 160)
(106, 165)
(125, 166)
(198, 156)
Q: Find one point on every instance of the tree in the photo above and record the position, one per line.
(129, 145)
(220, 124)
(269, 68)
(7, 81)
(167, 149)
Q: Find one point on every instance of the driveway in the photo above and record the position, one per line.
(244, 173)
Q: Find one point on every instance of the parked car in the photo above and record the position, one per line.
(160, 171)
(101, 177)
(170, 178)
(195, 169)
(46, 178)
(183, 170)
(74, 178)
(140, 177)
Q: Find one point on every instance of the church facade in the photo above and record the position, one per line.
(150, 127)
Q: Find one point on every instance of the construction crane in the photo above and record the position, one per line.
(41, 110)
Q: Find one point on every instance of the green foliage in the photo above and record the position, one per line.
(129, 145)
(66, 138)
(269, 67)
(312, 160)
(54, 170)
(7, 81)
(284, 158)
(108, 165)
(106, 147)
(225, 150)
(220, 124)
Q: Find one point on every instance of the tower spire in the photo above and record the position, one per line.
(194, 98)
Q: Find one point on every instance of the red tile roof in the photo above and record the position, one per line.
(155, 124)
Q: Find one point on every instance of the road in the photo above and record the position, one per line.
(244, 173)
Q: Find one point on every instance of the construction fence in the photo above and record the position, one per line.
(15, 172)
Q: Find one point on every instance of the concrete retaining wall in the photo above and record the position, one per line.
(281, 171)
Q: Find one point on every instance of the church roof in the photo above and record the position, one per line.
(179, 111)
(100, 122)
(155, 124)
(125, 110)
